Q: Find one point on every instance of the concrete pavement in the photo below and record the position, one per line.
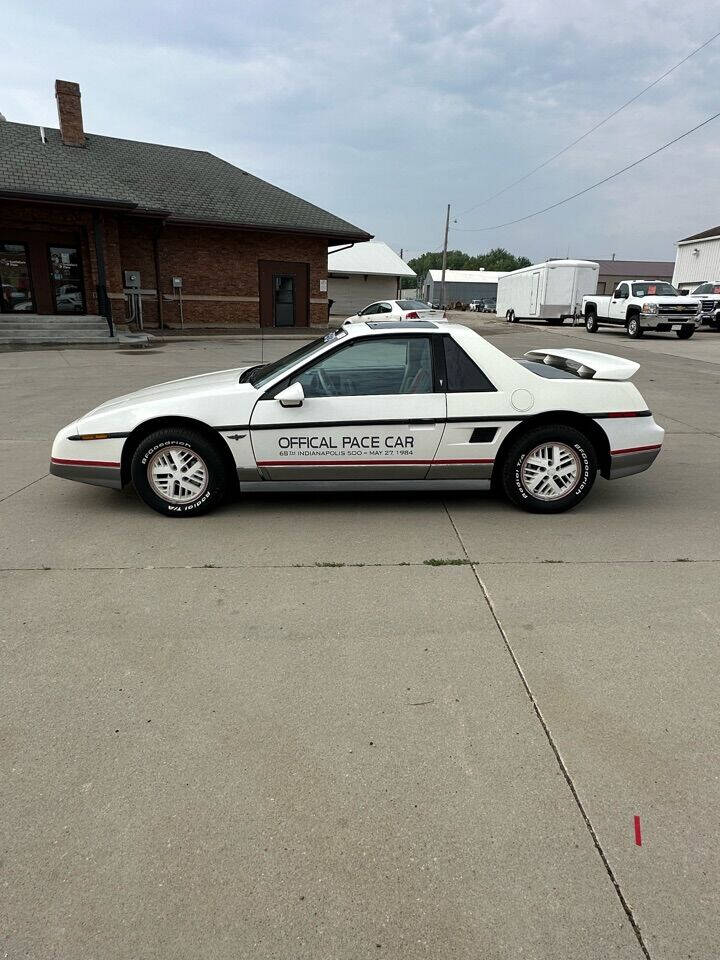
(278, 731)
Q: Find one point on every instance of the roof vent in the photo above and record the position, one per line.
(43, 138)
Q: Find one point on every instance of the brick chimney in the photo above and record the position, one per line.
(67, 95)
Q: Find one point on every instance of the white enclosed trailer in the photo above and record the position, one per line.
(549, 291)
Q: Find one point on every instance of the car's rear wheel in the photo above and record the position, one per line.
(549, 469)
(591, 324)
(179, 472)
(633, 327)
(684, 333)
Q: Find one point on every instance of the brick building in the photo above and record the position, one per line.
(78, 210)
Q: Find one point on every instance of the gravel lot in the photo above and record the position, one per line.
(279, 731)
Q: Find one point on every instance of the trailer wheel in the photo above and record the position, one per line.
(510, 316)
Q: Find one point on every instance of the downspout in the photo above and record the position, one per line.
(156, 258)
(102, 294)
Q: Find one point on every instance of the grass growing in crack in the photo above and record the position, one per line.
(439, 562)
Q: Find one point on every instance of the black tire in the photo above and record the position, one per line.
(512, 477)
(210, 495)
(510, 316)
(634, 329)
(591, 324)
(684, 333)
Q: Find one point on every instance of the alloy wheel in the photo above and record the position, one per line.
(550, 471)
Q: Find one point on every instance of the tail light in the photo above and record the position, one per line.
(413, 315)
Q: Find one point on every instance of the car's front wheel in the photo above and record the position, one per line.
(591, 324)
(549, 469)
(179, 472)
(684, 333)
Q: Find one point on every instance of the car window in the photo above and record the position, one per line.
(654, 289)
(366, 311)
(384, 308)
(621, 290)
(413, 305)
(463, 374)
(377, 367)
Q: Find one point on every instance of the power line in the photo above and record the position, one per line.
(592, 129)
(592, 186)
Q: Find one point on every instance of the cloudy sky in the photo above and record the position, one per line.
(384, 111)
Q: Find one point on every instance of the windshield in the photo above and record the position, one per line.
(259, 376)
(413, 305)
(654, 288)
(708, 288)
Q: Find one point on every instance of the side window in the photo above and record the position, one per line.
(622, 290)
(373, 308)
(384, 308)
(463, 374)
(377, 367)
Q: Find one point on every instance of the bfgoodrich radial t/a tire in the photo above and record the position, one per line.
(179, 472)
(549, 469)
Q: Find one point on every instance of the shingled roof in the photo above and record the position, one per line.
(184, 185)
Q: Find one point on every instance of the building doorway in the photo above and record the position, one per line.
(16, 294)
(66, 279)
(284, 293)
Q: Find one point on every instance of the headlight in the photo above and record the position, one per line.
(649, 308)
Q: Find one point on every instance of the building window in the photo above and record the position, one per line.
(16, 291)
(66, 279)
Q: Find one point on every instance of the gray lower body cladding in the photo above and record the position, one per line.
(99, 476)
(625, 463)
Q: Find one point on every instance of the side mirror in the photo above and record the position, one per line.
(291, 396)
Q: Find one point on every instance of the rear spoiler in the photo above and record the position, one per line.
(586, 363)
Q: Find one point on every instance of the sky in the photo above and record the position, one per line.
(385, 111)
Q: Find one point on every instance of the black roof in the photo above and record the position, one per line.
(712, 232)
(637, 269)
(184, 185)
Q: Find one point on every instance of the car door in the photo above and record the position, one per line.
(617, 308)
(471, 439)
(372, 410)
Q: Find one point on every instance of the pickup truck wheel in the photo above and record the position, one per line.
(549, 469)
(684, 333)
(179, 472)
(591, 324)
(633, 328)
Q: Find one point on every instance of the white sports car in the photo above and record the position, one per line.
(378, 405)
(396, 310)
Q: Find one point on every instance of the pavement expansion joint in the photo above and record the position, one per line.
(556, 751)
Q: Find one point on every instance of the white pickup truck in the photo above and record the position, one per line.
(708, 296)
(640, 305)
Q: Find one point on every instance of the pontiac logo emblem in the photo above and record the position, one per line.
(236, 436)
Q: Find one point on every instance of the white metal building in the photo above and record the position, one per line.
(460, 285)
(697, 259)
(363, 273)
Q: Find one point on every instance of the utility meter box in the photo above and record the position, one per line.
(132, 280)
(177, 283)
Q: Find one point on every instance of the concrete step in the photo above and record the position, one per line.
(53, 339)
(51, 317)
(90, 328)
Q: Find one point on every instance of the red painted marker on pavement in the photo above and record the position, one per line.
(638, 832)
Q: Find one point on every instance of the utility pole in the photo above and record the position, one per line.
(442, 282)
(399, 283)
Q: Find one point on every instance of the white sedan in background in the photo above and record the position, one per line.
(396, 310)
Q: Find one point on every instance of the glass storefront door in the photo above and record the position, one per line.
(16, 290)
(66, 279)
(284, 301)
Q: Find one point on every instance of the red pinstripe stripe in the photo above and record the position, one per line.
(652, 446)
(85, 463)
(349, 462)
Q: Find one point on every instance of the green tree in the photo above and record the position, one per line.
(496, 259)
